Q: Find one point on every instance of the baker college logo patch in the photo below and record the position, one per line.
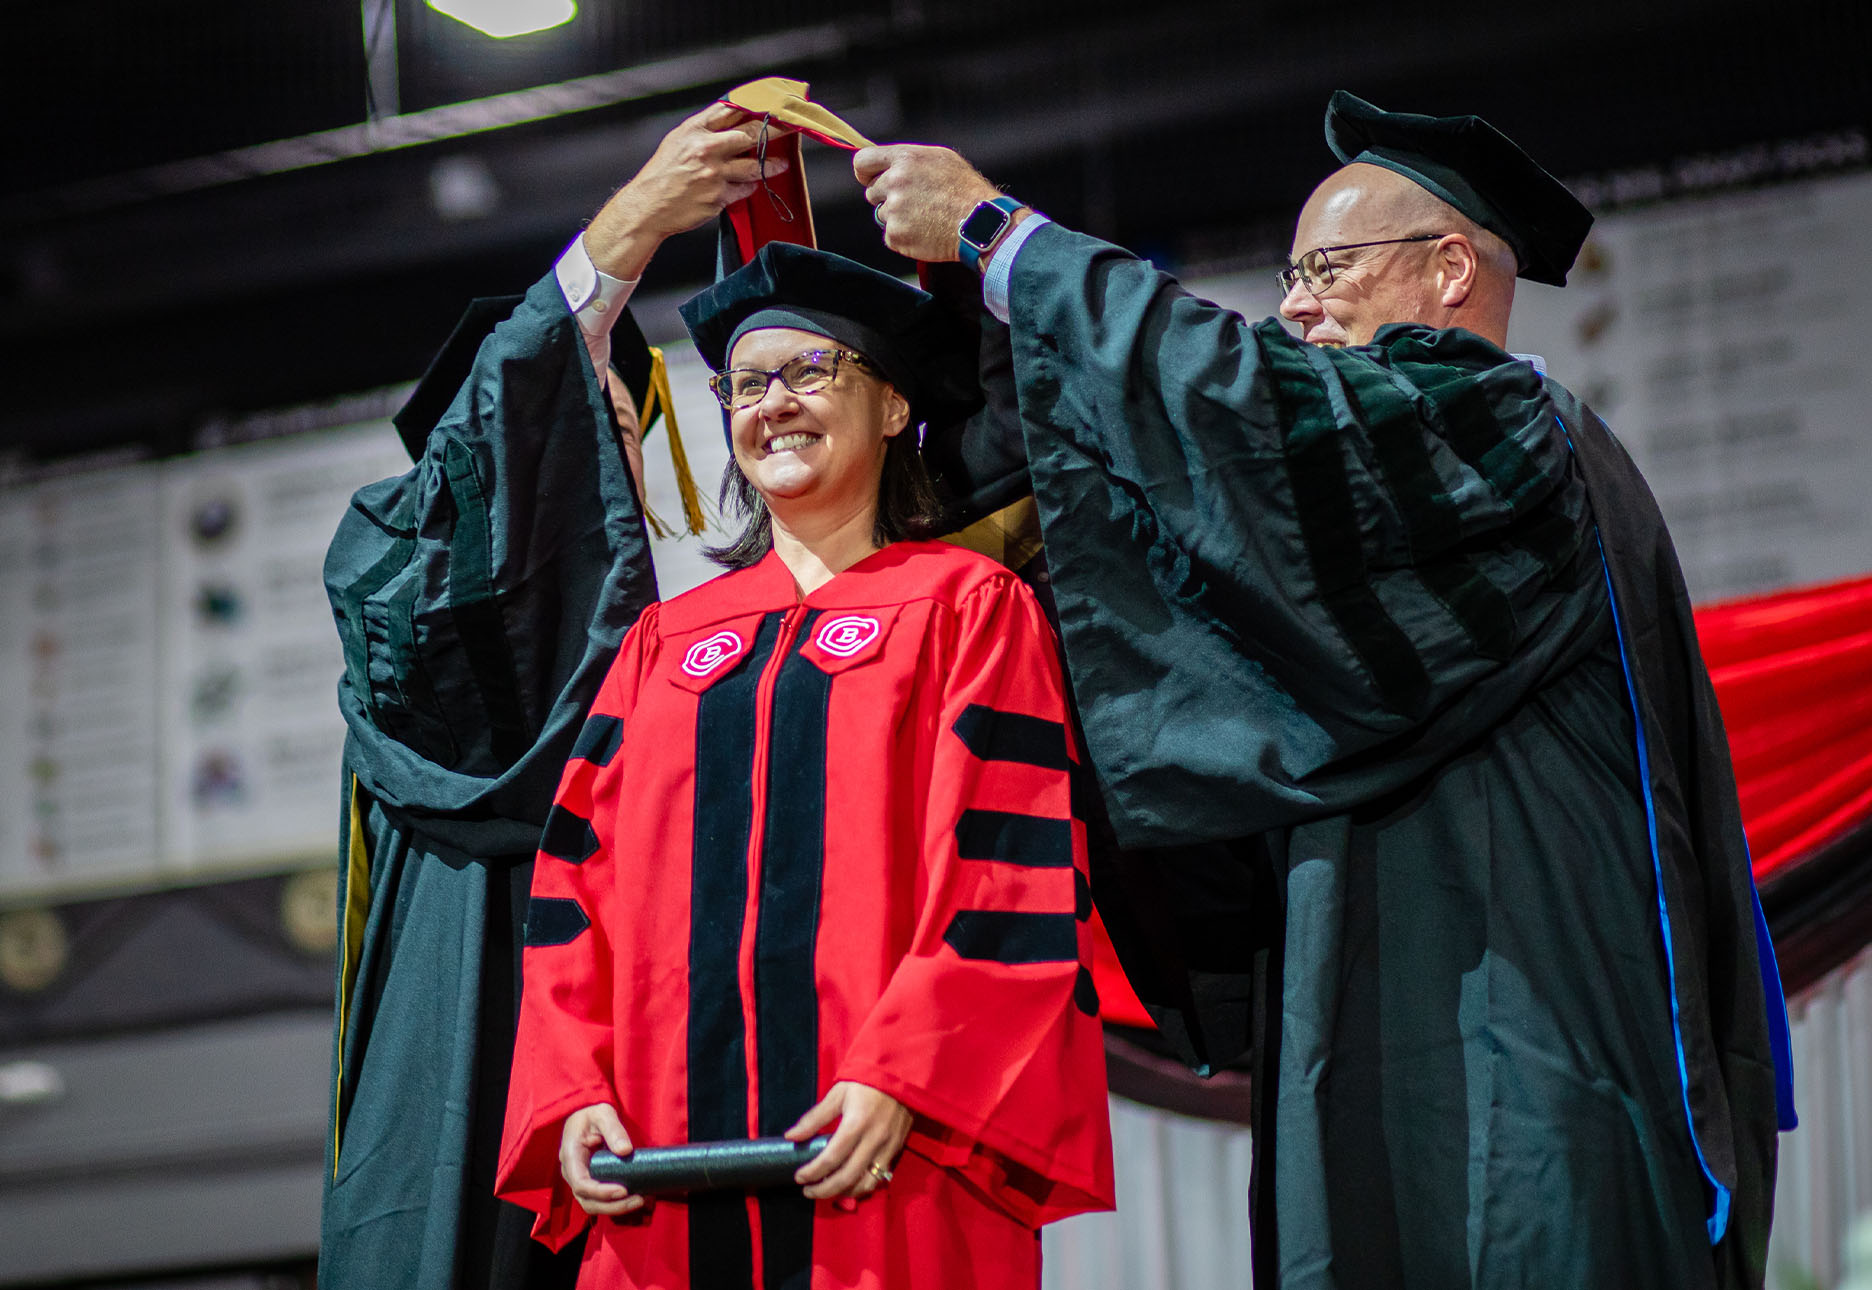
(845, 635)
(709, 656)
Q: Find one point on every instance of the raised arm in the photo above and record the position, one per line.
(1269, 557)
(705, 164)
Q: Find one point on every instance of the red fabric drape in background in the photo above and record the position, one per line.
(1793, 673)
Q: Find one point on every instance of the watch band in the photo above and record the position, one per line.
(979, 230)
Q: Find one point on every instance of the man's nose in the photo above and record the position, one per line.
(1299, 304)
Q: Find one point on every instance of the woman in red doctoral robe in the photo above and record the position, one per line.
(815, 862)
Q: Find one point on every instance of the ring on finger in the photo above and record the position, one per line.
(879, 1172)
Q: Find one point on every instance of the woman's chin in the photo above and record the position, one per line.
(784, 480)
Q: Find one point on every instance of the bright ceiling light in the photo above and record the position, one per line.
(503, 18)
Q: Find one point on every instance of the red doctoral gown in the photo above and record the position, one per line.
(802, 842)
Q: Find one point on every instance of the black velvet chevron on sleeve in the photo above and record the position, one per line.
(553, 920)
(568, 837)
(1012, 936)
(599, 739)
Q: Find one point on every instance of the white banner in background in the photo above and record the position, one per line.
(170, 666)
(1724, 340)
(80, 714)
(250, 657)
(15, 686)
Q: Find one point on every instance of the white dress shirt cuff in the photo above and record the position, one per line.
(595, 299)
(1000, 271)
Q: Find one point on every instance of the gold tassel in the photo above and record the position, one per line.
(657, 399)
(658, 529)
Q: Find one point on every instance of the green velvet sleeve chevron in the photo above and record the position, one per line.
(1286, 575)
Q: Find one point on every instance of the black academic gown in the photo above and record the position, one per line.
(480, 599)
(1344, 631)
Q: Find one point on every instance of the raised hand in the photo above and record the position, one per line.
(706, 163)
(922, 195)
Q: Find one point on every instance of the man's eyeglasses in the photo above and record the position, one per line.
(743, 387)
(1314, 270)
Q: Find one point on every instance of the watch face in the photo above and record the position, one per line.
(983, 223)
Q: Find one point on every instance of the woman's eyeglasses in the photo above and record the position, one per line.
(743, 387)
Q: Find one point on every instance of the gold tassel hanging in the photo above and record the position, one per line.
(657, 399)
(654, 522)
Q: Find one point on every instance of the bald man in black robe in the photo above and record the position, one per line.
(1389, 678)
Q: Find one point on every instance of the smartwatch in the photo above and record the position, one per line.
(984, 226)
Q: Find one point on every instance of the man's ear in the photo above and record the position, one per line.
(1457, 266)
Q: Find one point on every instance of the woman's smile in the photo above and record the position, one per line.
(791, 441)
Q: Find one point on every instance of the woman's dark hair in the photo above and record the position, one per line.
(907, 506)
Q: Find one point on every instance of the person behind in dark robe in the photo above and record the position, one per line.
(813, 866)
(480, 599)
(1390, 685)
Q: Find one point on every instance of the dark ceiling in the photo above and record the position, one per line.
(158, 269)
